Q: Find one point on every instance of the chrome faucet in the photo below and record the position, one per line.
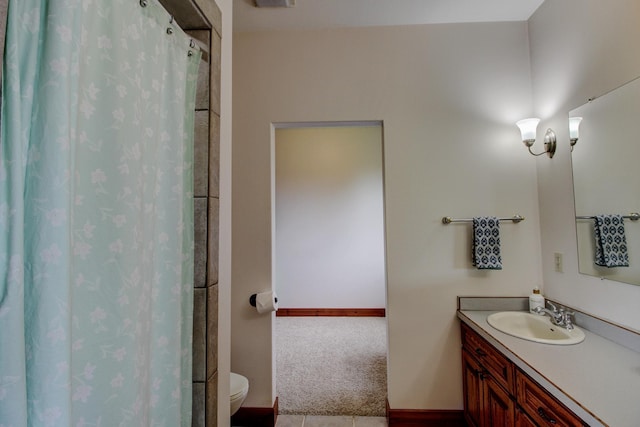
(559, 317)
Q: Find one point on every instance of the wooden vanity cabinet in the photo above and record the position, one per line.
(472, 384)
(496, 393)
(523, 420)
(488, 381)
(542, 408)
(486, 402)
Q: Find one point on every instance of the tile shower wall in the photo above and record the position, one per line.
(206, 205)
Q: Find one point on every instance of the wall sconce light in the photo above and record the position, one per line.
(574, 130)
(528, 130)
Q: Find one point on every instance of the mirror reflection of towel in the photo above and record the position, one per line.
(485, 250)
(611, 243)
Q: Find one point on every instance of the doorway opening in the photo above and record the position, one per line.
(329, 268)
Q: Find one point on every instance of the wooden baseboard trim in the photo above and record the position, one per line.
(424, 417)
(256, 417)
(331, 312)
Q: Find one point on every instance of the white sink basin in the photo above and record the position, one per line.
(534, 327)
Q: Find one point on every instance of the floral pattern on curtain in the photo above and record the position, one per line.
(96, 215)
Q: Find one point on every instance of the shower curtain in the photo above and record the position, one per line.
(96, 216)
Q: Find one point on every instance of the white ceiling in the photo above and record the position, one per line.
(359, 13)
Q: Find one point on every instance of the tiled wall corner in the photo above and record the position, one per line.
(200, 325)
(212, 325)
(212, 266)
(203, 88)
(214, 156)
(212, 401)
(206, 207)
(199, 404)
(200, 225)
(201, 142)
(215, 57)
(210, 9)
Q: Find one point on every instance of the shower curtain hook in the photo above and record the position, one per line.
(169, 29)
(143, 3)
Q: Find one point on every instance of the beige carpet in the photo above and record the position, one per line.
(331, 365)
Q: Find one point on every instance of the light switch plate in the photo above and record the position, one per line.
(558, 262)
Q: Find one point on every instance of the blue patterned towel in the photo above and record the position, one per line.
(486, 243)
(611, 243)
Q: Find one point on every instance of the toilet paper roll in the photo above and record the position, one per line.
(266, 302)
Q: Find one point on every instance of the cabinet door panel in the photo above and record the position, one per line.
(522, 420)
(472, 386)
(499, 407)
(495, 362)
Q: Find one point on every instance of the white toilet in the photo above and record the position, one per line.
(238, 391)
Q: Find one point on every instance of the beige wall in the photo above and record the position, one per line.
(449, 96)
(579, 49)
(224, 239)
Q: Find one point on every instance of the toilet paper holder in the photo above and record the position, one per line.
(252, 300)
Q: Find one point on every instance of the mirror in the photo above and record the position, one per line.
(605, 163)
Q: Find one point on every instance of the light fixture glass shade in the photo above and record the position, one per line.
(528, 128)
(574, 126)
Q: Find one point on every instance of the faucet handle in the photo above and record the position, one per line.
(565, 312)
(566, 318)
(553, 307)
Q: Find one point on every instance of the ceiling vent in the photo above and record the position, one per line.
(275, 3)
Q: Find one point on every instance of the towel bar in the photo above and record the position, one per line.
(515, 219)
(633, 216)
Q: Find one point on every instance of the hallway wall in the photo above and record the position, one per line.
(329, 217)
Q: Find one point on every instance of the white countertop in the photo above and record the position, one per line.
(597, 379)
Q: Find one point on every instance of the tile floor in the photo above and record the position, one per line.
(325, 421)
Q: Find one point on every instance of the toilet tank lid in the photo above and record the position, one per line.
(238, 384)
